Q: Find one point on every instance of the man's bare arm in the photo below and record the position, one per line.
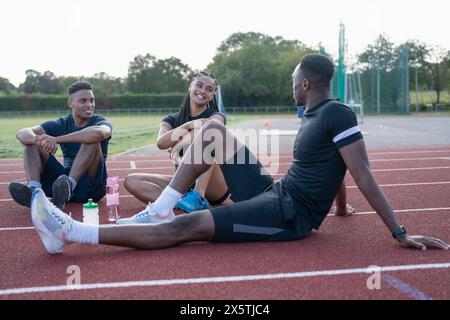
(356, 159)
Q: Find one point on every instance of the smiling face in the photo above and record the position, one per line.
(82, 104)
(202, 90)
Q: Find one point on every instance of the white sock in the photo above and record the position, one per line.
(167, 200)
(34, 184)
(83, 233)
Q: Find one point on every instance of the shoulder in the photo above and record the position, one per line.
(56, 122)
(170, 119)
(100, 121)
(337, 111)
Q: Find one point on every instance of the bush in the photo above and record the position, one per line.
(34, 102)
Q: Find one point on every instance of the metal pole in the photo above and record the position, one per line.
(378, 83)
(417, 87)
(361, 97)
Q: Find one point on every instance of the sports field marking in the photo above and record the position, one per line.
(288, 153)
(264, 165)
(408, 184)
(329, 215)
(348, 187)
(406, 288)
(133, 165)
(399, 211)
(208, 280)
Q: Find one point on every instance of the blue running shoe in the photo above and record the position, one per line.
(148, 215)
(192, 201)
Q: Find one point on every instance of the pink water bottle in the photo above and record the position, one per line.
(112, 198)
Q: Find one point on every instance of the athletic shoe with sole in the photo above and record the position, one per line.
(51, 223)
(62, 191)
(192, 201)
(20, 193)
(148, 215)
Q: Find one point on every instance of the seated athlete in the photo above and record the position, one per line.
(328, 143)
(83, 137)
(175, 132)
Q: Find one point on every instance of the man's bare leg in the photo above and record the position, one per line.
(86, 162)
(212, 144)
(57, 229)
(198, 226)
(34, 161)
(223, 144)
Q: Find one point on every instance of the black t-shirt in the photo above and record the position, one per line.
(66, 125)
(171, 119)
(317, 169)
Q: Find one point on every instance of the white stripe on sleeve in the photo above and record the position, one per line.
(346, 133)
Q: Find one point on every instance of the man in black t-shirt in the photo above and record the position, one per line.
(83, 138)
(328, 143)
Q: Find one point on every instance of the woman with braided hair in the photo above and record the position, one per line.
(176, 132)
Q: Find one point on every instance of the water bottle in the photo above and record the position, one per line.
(90, 213)
(112, 198)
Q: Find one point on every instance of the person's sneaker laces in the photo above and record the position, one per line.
(20, 193)
(62, 191)
(148, 215)
(51, 223)
(192, 201)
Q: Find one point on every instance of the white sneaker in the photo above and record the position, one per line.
(148, 215)
(51, 223)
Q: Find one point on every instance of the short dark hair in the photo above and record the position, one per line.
(80, 85)
(318, 69)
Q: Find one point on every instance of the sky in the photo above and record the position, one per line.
(84, 37)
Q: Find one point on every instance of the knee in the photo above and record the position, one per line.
(192, 227)
(215, 126)
(31, 148)
(90, 148)
(180, 228)
(130, 182)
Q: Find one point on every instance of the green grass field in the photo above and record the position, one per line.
(129, 132)
(426, 97)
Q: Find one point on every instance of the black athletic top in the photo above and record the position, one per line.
(171, 119)
(66, 125)
(317, 169)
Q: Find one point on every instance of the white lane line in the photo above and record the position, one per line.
(408, 152)
(226, 279)
(409, 159)
(348, 186)
(286, 154)
(329, 215)
(399, 211)
(264, 165)
(409, 184)
(17, 229)
(132, 165)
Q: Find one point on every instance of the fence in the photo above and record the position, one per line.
(148, 111)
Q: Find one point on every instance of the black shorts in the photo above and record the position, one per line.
(261, 218)
(260, 209)
(245, 176)
(87, 188)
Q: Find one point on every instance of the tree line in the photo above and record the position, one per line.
(252, 68)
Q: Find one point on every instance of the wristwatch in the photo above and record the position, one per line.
(399, 232)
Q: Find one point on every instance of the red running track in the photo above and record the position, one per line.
(331, 264)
